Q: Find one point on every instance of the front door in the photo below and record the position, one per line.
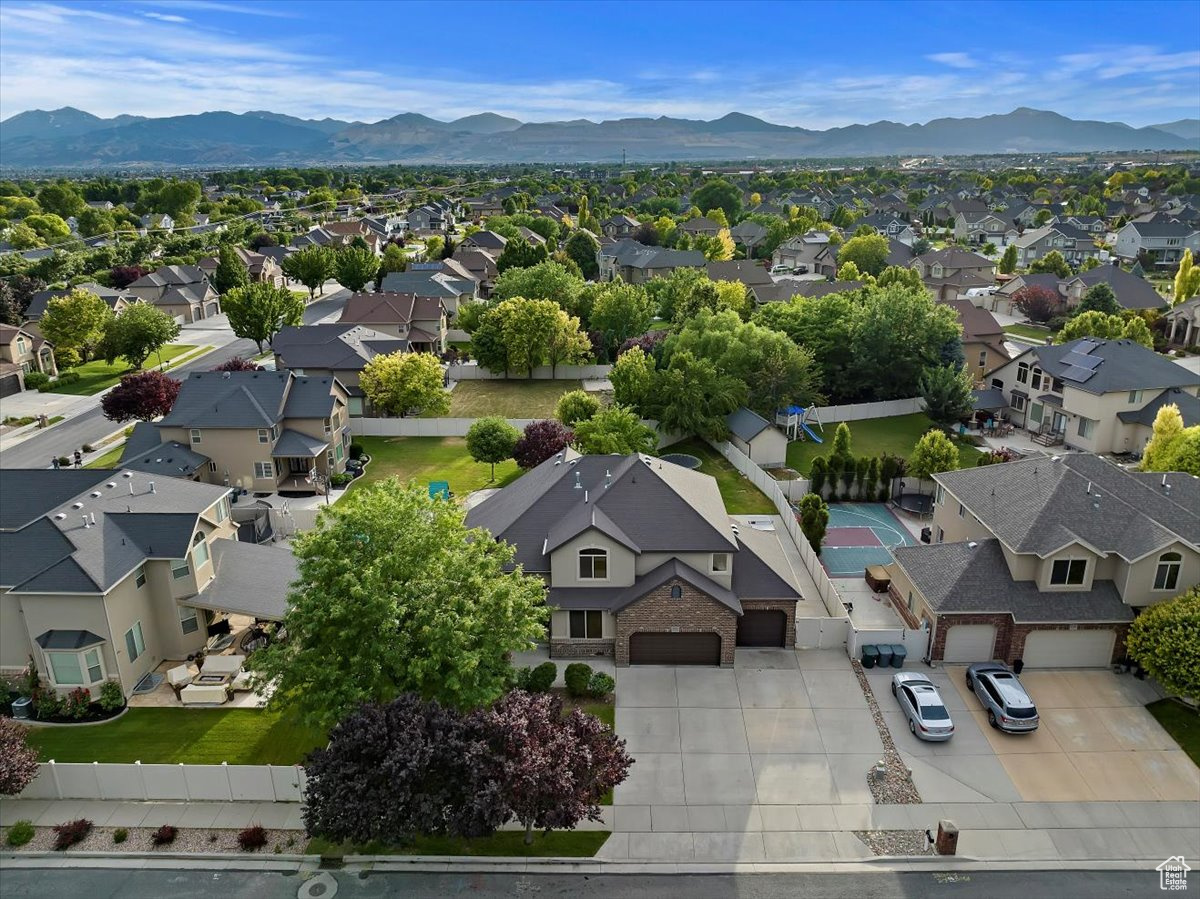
(1035, 417)
(1060, 423)
(300, 467)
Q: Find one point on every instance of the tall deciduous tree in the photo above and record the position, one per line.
(76, 322)
(257, 311)
(575, 406)
(520, 253)
(545, 281)
(1053, 262)
(1106, 327)
(311, 266)
(614, 429)
(691, 396)
(1037, 303)
(141, 329)
(355, 267)
(633, 378)
(1008, 261)
(1187, 280)
(230, 271)
(398, 382)
(406, 598)
(582, 247)
(143, 395)
(555, 768)
(947, 394)
(1172, 447)
(869, 253)
(540, 441)
(933, 453)
(492, 440)
(620, 311)
(719, 193)
(1162, 639)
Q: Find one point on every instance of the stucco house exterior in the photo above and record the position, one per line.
(336, 350)
(22, 352)
(1164, 241)
(642, 563)
(982, 338)
(636, 263)
(420, 320)
(808, 253)
(182, 291)
(1047, 560)
(951, 272)
(1074, 244)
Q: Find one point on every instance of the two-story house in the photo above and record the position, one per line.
(619, 226)
(181, 291)
(636, 263)
(22, 352)
(982, 338)
(1130, 291)
(951, 272)
(259, 268)
(446, 281)
(749, 235)
(260, 431)
(104, 574)
(1075, 245)
(892, 226)
(701, 227)
(980, 227)
(420, 320)
(809, 253)
(1091, 395)
(1162, 241)
(1047, 560)
(642, 563)
(337, 350)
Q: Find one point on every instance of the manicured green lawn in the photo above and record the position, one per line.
(508, 399)
(557, 844)
(740, 496)
(1033, 332)
(170, 736)
(98, 375)
(1182, 723)
(426, 459)
(109, 459)
(896, 435)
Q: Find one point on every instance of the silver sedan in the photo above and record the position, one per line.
(922, 705)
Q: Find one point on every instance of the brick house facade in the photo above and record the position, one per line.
(694, 612)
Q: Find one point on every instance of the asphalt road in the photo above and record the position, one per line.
(68, 883)
(92, 426)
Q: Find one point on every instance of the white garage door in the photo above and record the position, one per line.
(1068, 649)
(969, 643)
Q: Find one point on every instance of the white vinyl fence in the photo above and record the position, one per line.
(187, 783)
(420, 427)
(472, 371)
(861, 411)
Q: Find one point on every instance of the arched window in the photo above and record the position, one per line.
(593, 564)
(1166, 576)
(676, 592)
(199, 550)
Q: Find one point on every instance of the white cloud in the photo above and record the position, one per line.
(163, 17)
(954, 60)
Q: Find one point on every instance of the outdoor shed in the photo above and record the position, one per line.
(765, 444)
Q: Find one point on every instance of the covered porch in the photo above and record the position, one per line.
(301, 464)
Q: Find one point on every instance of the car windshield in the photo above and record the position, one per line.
(934, 713)
(1029, 712)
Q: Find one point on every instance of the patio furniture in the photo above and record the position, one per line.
(222, 664)
(194, 694)
(180, 676)
(241, 682)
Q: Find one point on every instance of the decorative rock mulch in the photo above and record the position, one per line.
(894, 786)
(199, 839)
(896, 842)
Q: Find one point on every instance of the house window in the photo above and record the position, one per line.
(962, 512)
(939, 494)
(587, 625)
(720, 562)
(1068, 572)
(135, 645)
(264, 469)
(1166, 576)
(91, 661)
(1135, 396)
(212, 466)
(593, 564)
(676, 592)
(199, 551)
(195, 435)
(187, 619)
(21, 345)
(983, 358)
(910, 601)
(1023, 372)
(941, 535)
(180, 569)
(74, 669)
(1057, 386)
(1087, 427)
(222, 509)
(328, 427)
(1035, 380)
(140, 578)
(1018, 403)
(997, 384)
(264, 435)
(339, 451)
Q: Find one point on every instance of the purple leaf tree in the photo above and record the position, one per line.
(540, 441)
(144, 395)
(18, 760)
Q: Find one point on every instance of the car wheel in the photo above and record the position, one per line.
(912, 726)
(992, 718)
(893, 689)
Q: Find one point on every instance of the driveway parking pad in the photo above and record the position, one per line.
(655, 779)
(709, 688)
(711, 779)
(1135, 728)
(848, 731)
(1046, 777)
(1079, 730)
(970, 778)
(794, 779)
(782, 730)
(1171, 774)
(772, 689)
(1112, 776)
(834, 690)
(712, 730)
(646, 687)
(1038, 741)
(649, 730)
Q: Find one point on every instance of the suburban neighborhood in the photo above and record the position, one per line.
(719, 514)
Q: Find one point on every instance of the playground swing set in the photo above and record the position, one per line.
(795, 422)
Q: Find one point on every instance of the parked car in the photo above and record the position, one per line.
(781, 270)
(1009, 708)
(922, 705)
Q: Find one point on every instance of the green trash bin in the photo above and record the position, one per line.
(870, 655)
(899, 653)
(885, 654)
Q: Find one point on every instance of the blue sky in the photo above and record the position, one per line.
(816, 65)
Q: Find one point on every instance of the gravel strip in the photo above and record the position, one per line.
(895, 787)
(186, 840)
(895, 842)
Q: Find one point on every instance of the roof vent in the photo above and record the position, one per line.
(93, 519)
(578, 484)
(111, 484)
(971, 544)
(94, 494)
(85, 521)
(225, 376)
(152, 487)
(1096, 501)
(557, 462)
(1055, 458)
(76, 505)
(60, 516)
(127, 474)
(607, 478)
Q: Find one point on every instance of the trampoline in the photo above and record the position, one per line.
(684, 460)
(860, 535)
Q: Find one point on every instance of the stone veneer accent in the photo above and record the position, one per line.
(694, 612)
(787, 606)
(581, 649)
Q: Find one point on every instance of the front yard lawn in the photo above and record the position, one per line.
(171, 736)
(558, 843)
(1035, 333)
(741, 497)
(426, 459)
(508, 399)
(896, 435)
(1182, 723)
(110, 458)
(98, 375)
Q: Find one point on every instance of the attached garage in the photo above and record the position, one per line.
(969, 643)
(1069, 649)
(212, 309)
(762, 627)
(674, 649)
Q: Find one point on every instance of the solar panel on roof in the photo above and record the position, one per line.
(1080, 360)
(1077, 373)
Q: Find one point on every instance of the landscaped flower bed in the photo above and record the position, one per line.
(186, 839)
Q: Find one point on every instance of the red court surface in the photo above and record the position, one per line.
(851, 537)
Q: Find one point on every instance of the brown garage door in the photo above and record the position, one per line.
(762, 627)
(10, 385)
(675, 649)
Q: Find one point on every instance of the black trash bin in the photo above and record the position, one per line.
(885, 655)
(870, 655)
(899, 653)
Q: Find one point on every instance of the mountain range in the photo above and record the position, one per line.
(71, 138)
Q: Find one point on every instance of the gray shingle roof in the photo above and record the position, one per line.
(250, 579)
(170, 458)
(1188, 405)
(336, 347)
(1125, 365)
(959, 577)
(294, 444)
(1131, 291)
(29, 494)
(669, 570)
(1041, 505)
(56, 639)
(746, 423)
(249, 399)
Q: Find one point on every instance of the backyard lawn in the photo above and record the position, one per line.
(98, 375)
(170, 736)
(1182, 723)
(426, 459)
(896, 435)
(508, 399)
(740, 496)
(1037, 334)
(558, 843)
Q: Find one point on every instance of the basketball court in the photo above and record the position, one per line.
(859, 535)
